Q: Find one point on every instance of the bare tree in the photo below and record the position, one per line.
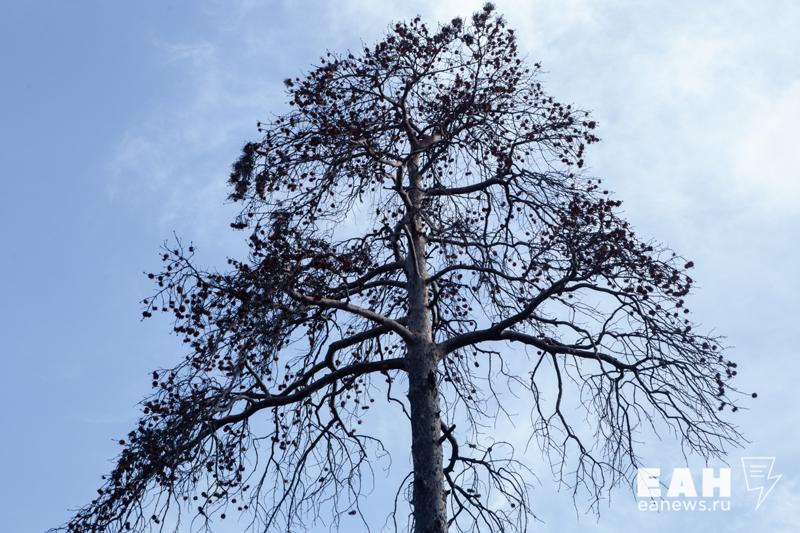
(421, 233)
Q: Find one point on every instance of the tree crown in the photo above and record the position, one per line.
(433, 160)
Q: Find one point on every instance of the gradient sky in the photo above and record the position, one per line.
(118, 124)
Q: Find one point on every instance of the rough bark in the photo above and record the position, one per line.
(430, 513)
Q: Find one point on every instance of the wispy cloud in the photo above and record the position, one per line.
(698, 103)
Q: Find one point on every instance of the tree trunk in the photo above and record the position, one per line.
(430, 514)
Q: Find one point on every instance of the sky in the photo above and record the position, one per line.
(118, 123)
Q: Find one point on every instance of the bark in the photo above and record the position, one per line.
(430, 513)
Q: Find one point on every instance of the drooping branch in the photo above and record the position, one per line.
(420, 214)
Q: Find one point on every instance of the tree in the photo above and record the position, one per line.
(420, 231)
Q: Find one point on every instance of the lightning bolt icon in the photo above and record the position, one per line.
(758, 476)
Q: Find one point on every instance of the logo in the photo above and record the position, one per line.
(758, 476)
(710, 491)
(682, 492)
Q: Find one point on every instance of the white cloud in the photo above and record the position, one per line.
(766, 158)
(697, 103)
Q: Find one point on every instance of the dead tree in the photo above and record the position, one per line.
(421, 233)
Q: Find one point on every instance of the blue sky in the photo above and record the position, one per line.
(118, 123)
